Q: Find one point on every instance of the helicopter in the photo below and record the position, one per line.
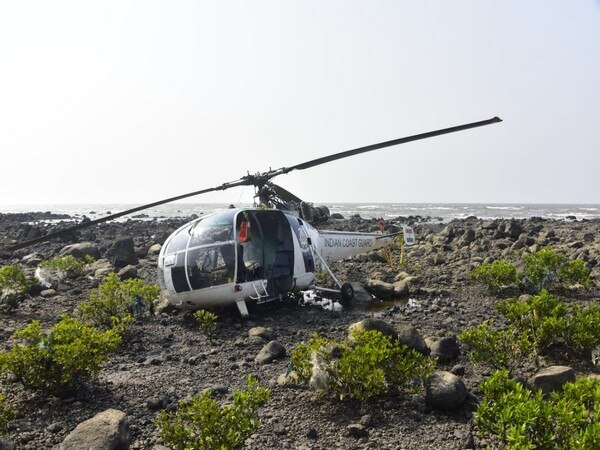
(261, 253)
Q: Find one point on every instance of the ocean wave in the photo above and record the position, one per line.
(506, 208)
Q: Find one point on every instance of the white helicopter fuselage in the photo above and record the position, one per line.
(253, 254)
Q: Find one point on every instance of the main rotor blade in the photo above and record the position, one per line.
(369, 148)
(59, 233)
(284, 194)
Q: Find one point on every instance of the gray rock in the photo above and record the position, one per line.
(380, 289)
(445, 391)
(376, 256)
(5, 444)
(357, 430)
(551, 378)
(47, 293)
(264, 333)
(410, 336)
(128, 272)
(513, 229)
(154, 249)
(122, 253)
(445, 349)
(468, 237)
(81, 250)
(458, 370)
(107, 430)
(270, 352)
(361, 295)
(373, 324)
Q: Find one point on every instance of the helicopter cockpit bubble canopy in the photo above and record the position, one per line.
(200, 254)
(234, 246)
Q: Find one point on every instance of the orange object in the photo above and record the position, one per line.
(244, 234)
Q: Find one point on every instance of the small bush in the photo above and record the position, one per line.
(575, 272)
(543, 270)
(69, 353)
(301, 355)
(536, 323)
(582, 328)
(495, 275)
(117, 302)
(14, 284)
(542, 318)
(523, 419)
(370, 365)
(496, 348)
(69, 265)
(207, 322)
(6, 415)
(542, 267)
(201, 423)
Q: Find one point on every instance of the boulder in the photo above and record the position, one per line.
(361, 295)
(445, 349)
(107, 430)
(7, 445)
(445, 391)
(410, 336)
(154, 249)
(264, 333)
(357, 430)
(122, 253)
(128, 272)
(380, 289)
(373, 324)
(270, 352)
(80, 250)
(551, 378)
(468, 237)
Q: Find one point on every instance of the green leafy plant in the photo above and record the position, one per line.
(497, 348)
(118, 303)
(6, 414)
(71, 266)
(301, 355)
(523, 419)
(207, 322)
(495, 275)
(369, 365)
(543, 269)
(14, 284)
(582, 328)
(542, 318)
(535, 323)
(71, 352)
(575, 272)
(202, 423)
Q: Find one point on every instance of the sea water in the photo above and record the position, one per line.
(438, 212)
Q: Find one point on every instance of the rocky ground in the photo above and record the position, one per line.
(168, 359)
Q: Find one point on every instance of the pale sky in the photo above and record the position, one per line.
(131, 102)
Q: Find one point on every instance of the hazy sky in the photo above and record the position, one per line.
(137, 101)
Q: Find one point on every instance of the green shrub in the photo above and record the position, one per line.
(69, 353)
(117, 302)
(6, 415)
(14, 284)
(201, 423)
(71, 266)
(207, 322)
(575, 272)
(495, 275)
(496, 348)
(582, 328)
(301, 355)
(542, 266)
(543, 269)
(542, 318)
(525, 420)
(370, 365)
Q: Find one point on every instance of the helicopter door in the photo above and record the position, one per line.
(278, 250)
